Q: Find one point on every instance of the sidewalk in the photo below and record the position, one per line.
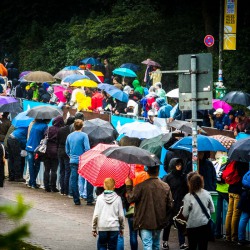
(57, 224)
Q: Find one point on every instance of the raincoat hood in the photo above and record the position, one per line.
(33, 84)
(110, 196)
(136, 84)
(161, 101)
(58, 121)
(127, 89)
(45, 85)
(173, 163)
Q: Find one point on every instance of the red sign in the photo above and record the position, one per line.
(209, 40)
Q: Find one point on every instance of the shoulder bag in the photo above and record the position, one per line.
(42, 147)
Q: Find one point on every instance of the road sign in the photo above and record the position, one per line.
(209, 40)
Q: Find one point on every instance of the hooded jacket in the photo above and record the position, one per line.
(108, 214)
(164, 111)
(137, 87)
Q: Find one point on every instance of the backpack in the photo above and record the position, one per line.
(230, 174)
(246, 180)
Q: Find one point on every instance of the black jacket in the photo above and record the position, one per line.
(61, 140)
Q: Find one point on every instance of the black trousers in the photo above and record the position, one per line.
(198, 237)
(50, 172)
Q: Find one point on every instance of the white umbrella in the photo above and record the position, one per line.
(174, 93)
(142, 130)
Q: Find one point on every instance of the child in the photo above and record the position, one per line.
(108, 217)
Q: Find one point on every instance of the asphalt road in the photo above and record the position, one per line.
(56, 223)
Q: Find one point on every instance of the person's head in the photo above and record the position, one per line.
(116, 80)
(160, 101)
(127, 89)
(33, 86)
(88, 91)
(153, 171)
(240, 114)
(79, 115)
(151, 89)
(5, 114)
(231, 114)
(176, 165)
(195, 182)
(106, 61)
(78, 124)
(158, 85)
(109, 184)
(70, 120)
(58, 121)
(9, 84)
(218, 112)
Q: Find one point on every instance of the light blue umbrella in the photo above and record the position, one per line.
(22, 120)
(73, 78)
(114, 92)
(91, 60)
(124, 72)
(205, 143)
(106, 86)
(73, 67)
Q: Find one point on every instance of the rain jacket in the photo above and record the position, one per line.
(96, 101)
(164, 111)
(137, 87)
(108, 214)
(83, 102)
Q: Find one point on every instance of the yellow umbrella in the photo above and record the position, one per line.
(85, 83)
(97, 73)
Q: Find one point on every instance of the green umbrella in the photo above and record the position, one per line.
(154, 145)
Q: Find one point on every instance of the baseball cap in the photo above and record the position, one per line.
(218, 111)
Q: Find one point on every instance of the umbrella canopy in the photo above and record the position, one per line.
(240, 150)
(7, 100)
(39, 76)
(3, 70)
(132, 155)
(154, 145)
(226, 141)
(131, 66)
(13, 107)
(205, 143)
(58, 91)
(124, 72)
(90, 75)
(114, 92)
(90, 60)
(72, 67)
(237, 97)
(184, 126)
(151, 63)
(63, 73)
(84, 83)
(24, 73)
(221, 104)
(42, 112)
(22, 120)
(106, 86)
(174, 93)
(142, 130)
(96, 167)
(99, 131)
(97, 73)
(74, 77)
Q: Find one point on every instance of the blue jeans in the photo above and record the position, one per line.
(244, 218)
(219, 213)
(74, 182)
(81, 185)
(64, 174)
(107, 240)
(132, 234)
(90, 189)
(150, 239)
(34, 167)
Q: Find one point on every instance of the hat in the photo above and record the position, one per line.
(218, 111)
(79, 115)
(239, 112)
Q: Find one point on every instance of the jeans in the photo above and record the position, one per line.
(198, 237)
(90, 189)
(233, 217)
(50, 173)
(132, 234)
(107, 240)
(64, 174)
(82, 187)
(244, 218)
(34, 167)
(150, 239)
(219, 213)
(166, 232)
(74, 182)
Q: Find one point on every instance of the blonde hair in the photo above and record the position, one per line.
(78, 124)
(109, 184)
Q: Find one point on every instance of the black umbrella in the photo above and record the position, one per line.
(237, 97)
(99, 131)
(239, 151)
(132, 155)
(13, 107)
(44, 112)
(184, 126)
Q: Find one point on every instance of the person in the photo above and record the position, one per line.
(44, 96)
(107, 71)
(76, 144)
(51, 160)
(177, 182)
(153, 203)
(137, 87)
(164, 111)
(108, 218)
(8, 88)
(35, 135)
(2, 163)
(63, 158)
(20, 90)
(107, 102)
(5, 124)
(159, 90)
(119, 107)
(132, 108)
(96, 99)
(197, 228)
(232, 123)
(116, 83)
(219, 119)
(32, 92)
(151, 116)
(155, 75)
(243, 121)
(73, 101)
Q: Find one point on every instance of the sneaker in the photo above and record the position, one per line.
(70, 196)
(35, 187)
(184, 246)
(165, 245)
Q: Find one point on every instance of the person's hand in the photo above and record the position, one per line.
(171, 119)
(226, 127)
(121, 233)
(94, 233)
(128, 181)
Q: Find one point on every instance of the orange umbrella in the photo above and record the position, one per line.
(3, 70)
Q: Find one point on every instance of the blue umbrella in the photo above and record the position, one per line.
(22, 120)
(106, 86)
(131, 66)
(74, 78)
(90, 60)
(73, 67)
(21, 79)
(114, 92)
(124, 72)
(205, 143)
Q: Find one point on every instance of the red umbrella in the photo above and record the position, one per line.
(96, 167)
(151, 63)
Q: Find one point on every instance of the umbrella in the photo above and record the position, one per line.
(142, 130)
(240, 150)
(131, 66)
(90, 75)
(132, 155)
(117, 93)
(24, 73)
(99, 74)
(74, 77)
(174, 93)
(184, 126)
(58, 91)
(221, 104)
(84, 83)
(39, 76)
(226, 141)
(237, 97)
(205, 143)
(151, 63)
(96, 167)
(13, 107)
(21, 79)
(45, 113)
(106, 86)
(73, 67)
(124, 72)
(22, 120)
(154, 145)
(99, 131)
(63, 73)
(7, 100)
(90, 60)
(3, 70)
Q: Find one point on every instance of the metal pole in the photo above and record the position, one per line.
(194, 114)
(221, 30)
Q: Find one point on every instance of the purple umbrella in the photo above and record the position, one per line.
(7, 100)
(24, 73)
